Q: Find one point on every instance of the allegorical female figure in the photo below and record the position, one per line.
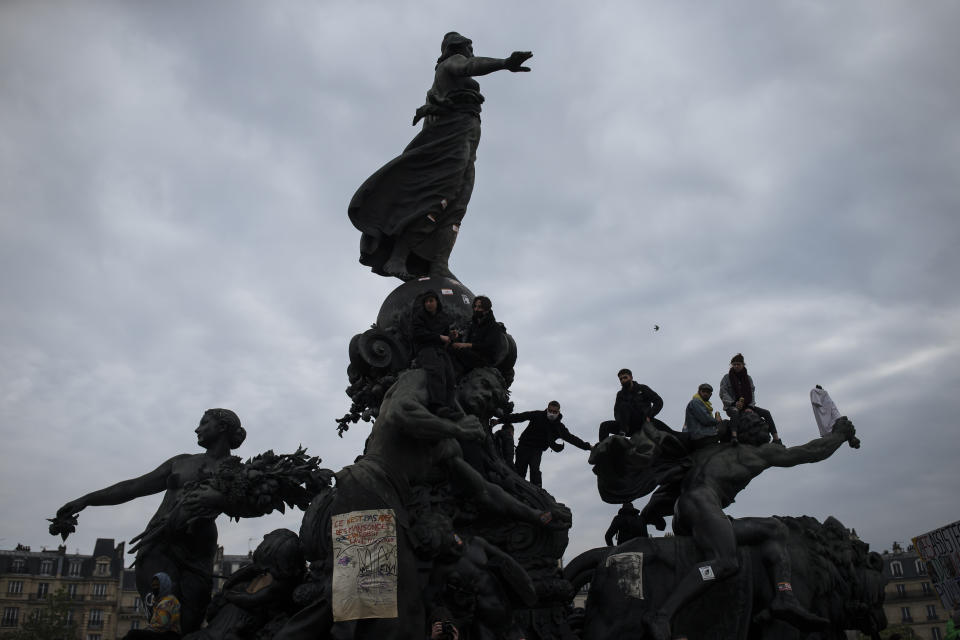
(411, 209)
(185, 552)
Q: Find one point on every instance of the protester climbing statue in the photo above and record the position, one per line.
(181, 538)
(409, 212)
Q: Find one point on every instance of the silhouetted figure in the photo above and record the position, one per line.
(626, 525)
(478, 346)
(431, 337)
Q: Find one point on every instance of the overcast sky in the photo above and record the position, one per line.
(778, 179)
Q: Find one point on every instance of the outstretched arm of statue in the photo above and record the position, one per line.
(417, 422)
(145, 485)
(479, 66)
(814, 451)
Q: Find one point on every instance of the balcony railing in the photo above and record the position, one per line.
(95, 624)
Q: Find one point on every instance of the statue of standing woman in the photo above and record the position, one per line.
(409, 212)
(184, 553)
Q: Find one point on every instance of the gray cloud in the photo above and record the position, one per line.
(774, 180)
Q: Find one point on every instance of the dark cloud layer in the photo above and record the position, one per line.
(776, 180)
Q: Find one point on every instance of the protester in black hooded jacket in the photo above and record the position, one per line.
(431, 336)
(545, 428)
(627, 525)
(479, 346)
(635, 404)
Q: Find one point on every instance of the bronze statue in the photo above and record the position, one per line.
(471, 578)
(258, 594)
(409, 442)
(415, 462)
(717, 474)
(181, 538)
(186, 554)
(836, 576)
(410, 210)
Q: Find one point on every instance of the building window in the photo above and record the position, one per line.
(15, 587)
(93, 636)
(96, 618)
(905, 614)
(896, 569)
(10, 616)
(46, 567)
(138, 604)
(135, 624)
(902, 590)
(921, 568)
(935, 633)
(102, 568)
(18, 564)
(75, 566)
(69, 619)
(931, 612)
(43, 589)
(99, 591)
(72, 591)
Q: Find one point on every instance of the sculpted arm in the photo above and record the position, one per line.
(479, 66)
(417, 422)
(126, 490)
(814, 451)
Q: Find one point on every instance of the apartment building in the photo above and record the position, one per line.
(91, 583)
(909, 596)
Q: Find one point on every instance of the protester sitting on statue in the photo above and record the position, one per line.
(738, 394)
(635, 404)
(165, 620)
(479, 346)
(701, 422)
(545, 428)
(626, 525)
(431, 337)
(504, 441)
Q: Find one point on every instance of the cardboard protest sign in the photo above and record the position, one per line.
(364, 565)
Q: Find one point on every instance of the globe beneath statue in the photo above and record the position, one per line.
(456, 300)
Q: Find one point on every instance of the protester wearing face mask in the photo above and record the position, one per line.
(545, 428)
(482, 340)
(165, 620)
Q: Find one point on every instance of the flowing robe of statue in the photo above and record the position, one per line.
(410, 210)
